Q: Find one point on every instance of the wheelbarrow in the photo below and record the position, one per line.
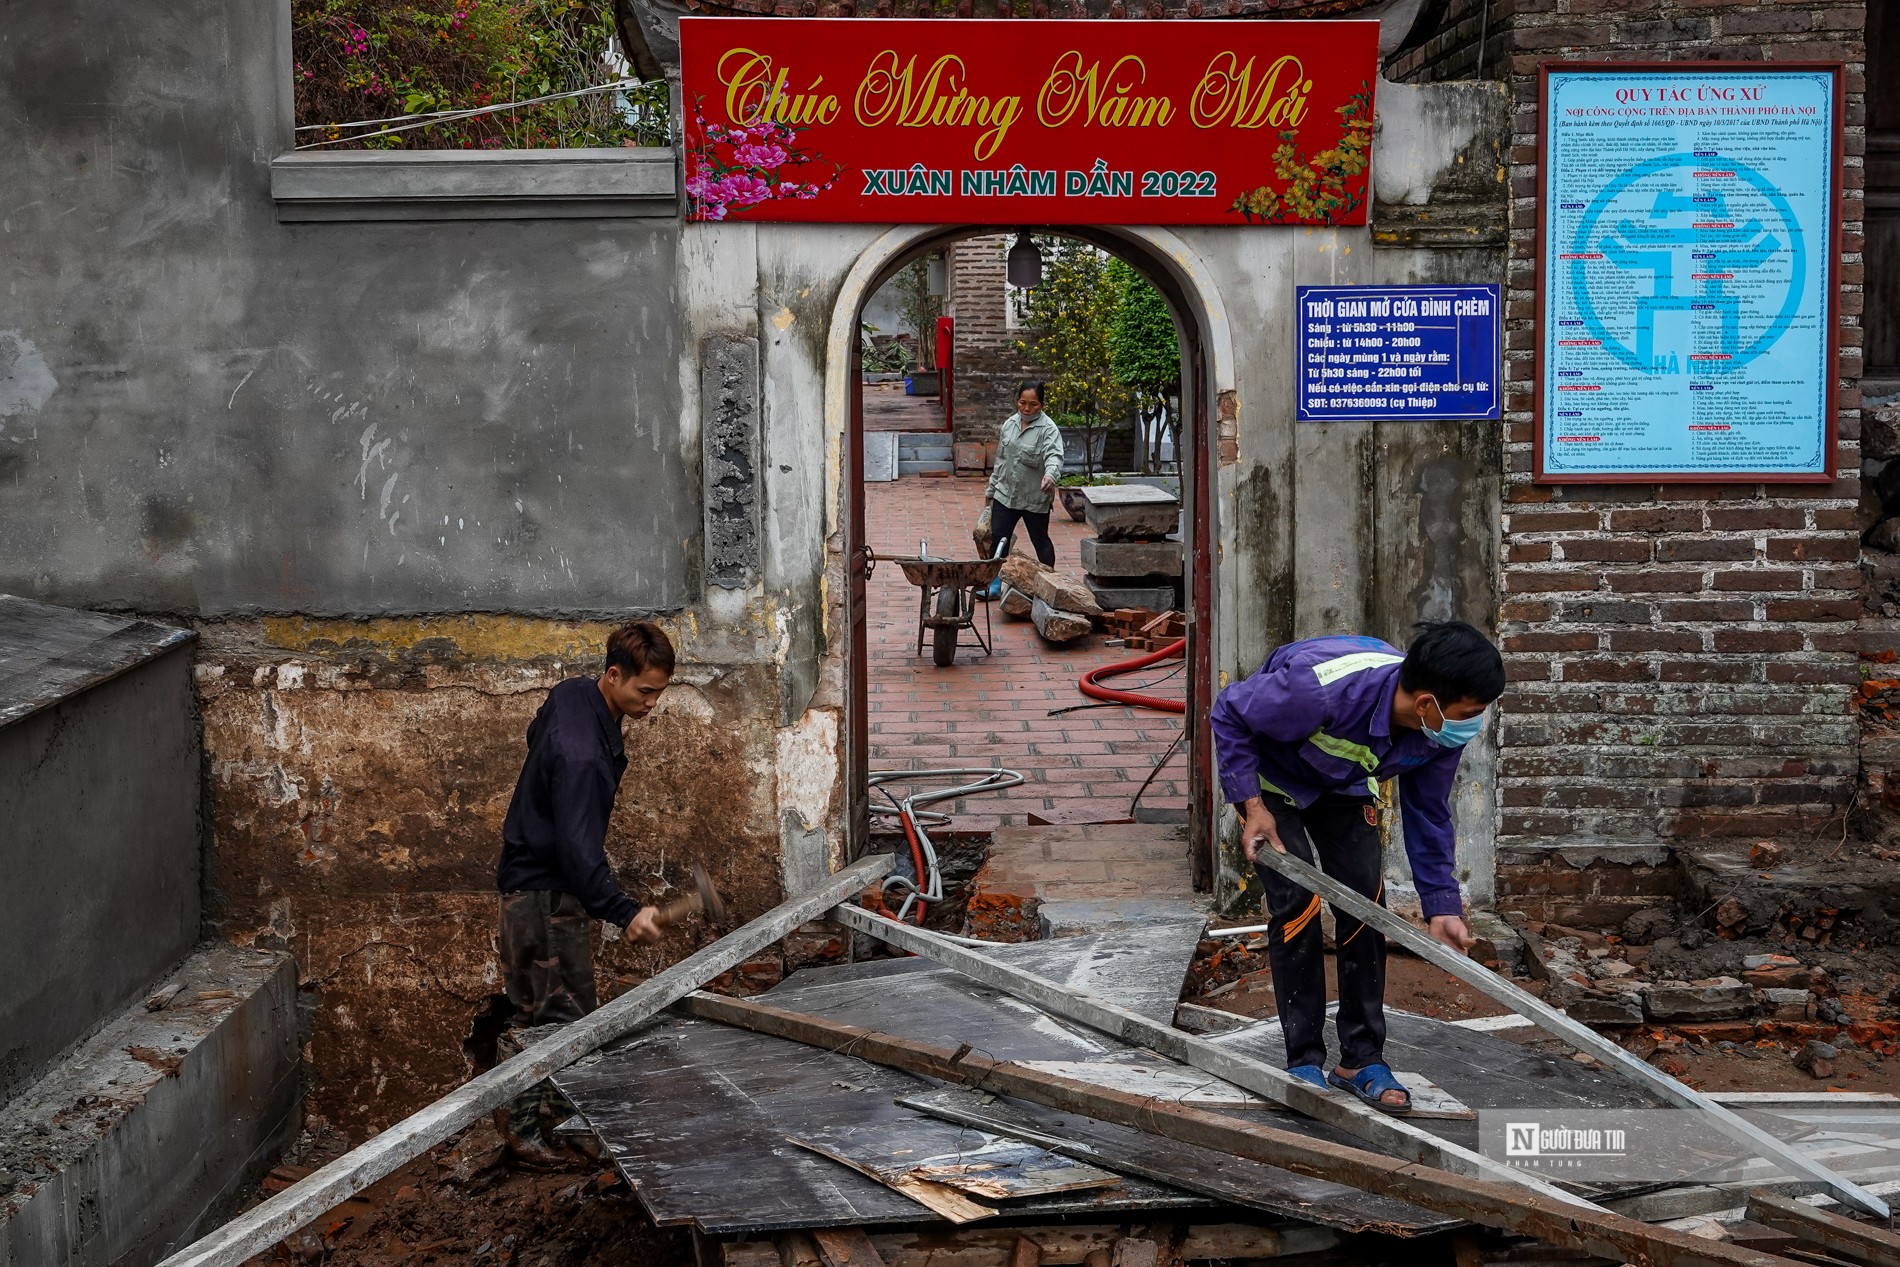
(948, 597)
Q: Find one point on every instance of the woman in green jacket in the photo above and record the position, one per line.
(1023, 482)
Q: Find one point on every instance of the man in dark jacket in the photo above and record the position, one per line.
(1303, 746)
(554, 875)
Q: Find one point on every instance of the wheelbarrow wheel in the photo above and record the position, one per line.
(943, 638)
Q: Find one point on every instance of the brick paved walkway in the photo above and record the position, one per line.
(887, 408)
(995, 708)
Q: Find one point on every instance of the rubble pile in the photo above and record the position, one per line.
(1633, 982)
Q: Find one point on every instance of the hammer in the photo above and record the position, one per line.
(703, 902)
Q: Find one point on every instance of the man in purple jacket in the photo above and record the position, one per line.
(1303, 746)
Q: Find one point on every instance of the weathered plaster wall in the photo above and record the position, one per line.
(237, 415)
(359, 774)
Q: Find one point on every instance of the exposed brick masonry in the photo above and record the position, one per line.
(1683, 658)
(987, 364)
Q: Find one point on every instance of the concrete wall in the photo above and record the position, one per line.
(99, 797)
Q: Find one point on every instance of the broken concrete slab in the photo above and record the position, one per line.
(1079, 917)
(1130, 558)
(1112, 595)
(1710, 999)
(1019, 571)
(1016, 603)
(1131, 512)
(1623, 1007)
(1058, 626)
(1781, 1004)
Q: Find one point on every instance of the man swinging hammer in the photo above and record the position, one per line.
(1303, 745)
(554, 876)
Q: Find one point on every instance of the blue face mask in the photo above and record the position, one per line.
(1453, 734)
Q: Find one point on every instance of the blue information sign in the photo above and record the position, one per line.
(1398, 352)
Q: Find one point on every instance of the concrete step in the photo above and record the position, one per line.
(925, 452)
(189, 1103)
(924, 468)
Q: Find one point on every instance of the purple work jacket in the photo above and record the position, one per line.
(1317, 718)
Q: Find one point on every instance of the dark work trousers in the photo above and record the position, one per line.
(547, 968)
(1344, 832)
(1003, 521)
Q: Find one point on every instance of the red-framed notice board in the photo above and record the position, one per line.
(1688, 256)
(1027, 122)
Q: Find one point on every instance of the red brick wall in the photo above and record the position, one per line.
(1683, 658)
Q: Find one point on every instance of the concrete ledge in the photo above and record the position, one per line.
(146, 1136)
(474, 184)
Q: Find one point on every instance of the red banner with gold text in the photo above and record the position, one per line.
(1026, 121)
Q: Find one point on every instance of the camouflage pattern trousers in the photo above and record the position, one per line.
(547, 969)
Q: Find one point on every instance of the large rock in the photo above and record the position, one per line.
(1880, 433)
(1065, 593)
(1110, 596)
(1131, 558)
(1606, 1008)
(1710, 999)
(1058, 626)
(1132, 512)
(1016, 603)
(1020, 571)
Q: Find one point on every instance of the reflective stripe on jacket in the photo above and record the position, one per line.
(1317, 719)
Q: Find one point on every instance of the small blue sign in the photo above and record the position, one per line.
(1395, 352)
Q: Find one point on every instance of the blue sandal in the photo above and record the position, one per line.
(1371, 1083)
(1313, 1074)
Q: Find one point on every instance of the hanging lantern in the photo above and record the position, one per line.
(1025, 262)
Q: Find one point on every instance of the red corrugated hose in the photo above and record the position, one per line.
(1090, 682)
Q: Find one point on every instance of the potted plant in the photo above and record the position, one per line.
(920, 310)
(1070, 487)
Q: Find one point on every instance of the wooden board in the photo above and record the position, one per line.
(697, 1117)
(1398, 1136)
(1835, 1233)
(1506, 1206)
(1214, 1174)
(946, 1203)
(1575, 1033)
(983, 1165)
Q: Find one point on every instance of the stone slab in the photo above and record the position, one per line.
(880, 457)
(1078, 917)
(1058, 626)
(1064, 593)
(1104, 495)
(1016, 603)
(1131, 512)
(1714, 999)
(1112, 595)
(1130, 558)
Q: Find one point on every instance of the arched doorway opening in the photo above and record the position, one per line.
(1206, 392)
